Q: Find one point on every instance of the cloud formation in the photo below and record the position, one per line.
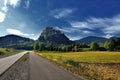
(68, 29)
(13, 3)
(27, 4)
(4, 7)
(18, 32)
(108, 26)
(59, 13)
(2, 16)
(79, 24)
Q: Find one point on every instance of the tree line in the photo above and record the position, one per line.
(109, 45)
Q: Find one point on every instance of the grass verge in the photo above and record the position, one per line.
(90, 65)
(25, 57)
(6, 51)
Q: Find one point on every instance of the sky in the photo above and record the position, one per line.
(75, 18)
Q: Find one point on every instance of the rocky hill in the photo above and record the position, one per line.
(53, 36)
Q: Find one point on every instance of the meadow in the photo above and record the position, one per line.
(8, 51)
(90, 65)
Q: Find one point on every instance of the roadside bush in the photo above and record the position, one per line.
(2, 52)
(73, 63)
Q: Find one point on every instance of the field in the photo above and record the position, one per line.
(90, 65)
(6, 51)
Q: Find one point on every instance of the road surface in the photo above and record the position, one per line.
(42, 69)
(7, 62)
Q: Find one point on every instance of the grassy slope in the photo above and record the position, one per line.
(91, 65)
(5, 51)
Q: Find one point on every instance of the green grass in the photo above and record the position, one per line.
(90, 65)
(6, 51)
(25, 57)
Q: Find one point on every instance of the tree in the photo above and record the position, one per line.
(75, 48)
(41, 47)
(83, 45)
(36, 46)
(94, 46)
(49, 45)
(118, 44)
(109, 45)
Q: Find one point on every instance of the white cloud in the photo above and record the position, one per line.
(2, 16)
(32, 34)
(68, 29)
(87, 32)
(27, 4)
(107, 26)
(14, 3)
(112, 29)
(16, 32)
(59, 13)
(64, 30)
(4, 7)
(73, 38)
(108, 36)
(81, 25)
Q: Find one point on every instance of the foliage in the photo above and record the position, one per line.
(41, 46)
(75, 48)
(110, 45)
(24, 57)
(94, 46)
(6, 51)
(118, 44)
(36, 46)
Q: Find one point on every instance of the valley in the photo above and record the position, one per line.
(53, 53)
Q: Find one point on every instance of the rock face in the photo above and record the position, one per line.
(54, 36)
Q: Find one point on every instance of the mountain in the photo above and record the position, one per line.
(114, 38)
(90, 39)
(17, 42)
(53, 36)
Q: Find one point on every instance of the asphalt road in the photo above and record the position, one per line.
(42, 69)
(7, 62)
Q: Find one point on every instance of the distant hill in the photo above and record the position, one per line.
(90, 39)
(17, 42)
(53, 36)
(114, 38)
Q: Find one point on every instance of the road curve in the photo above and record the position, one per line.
(42, 69)
(7, 62)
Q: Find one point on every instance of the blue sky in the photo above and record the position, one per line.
(76, 18)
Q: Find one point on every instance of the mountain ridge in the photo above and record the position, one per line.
(90, 39)
(15, 41)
